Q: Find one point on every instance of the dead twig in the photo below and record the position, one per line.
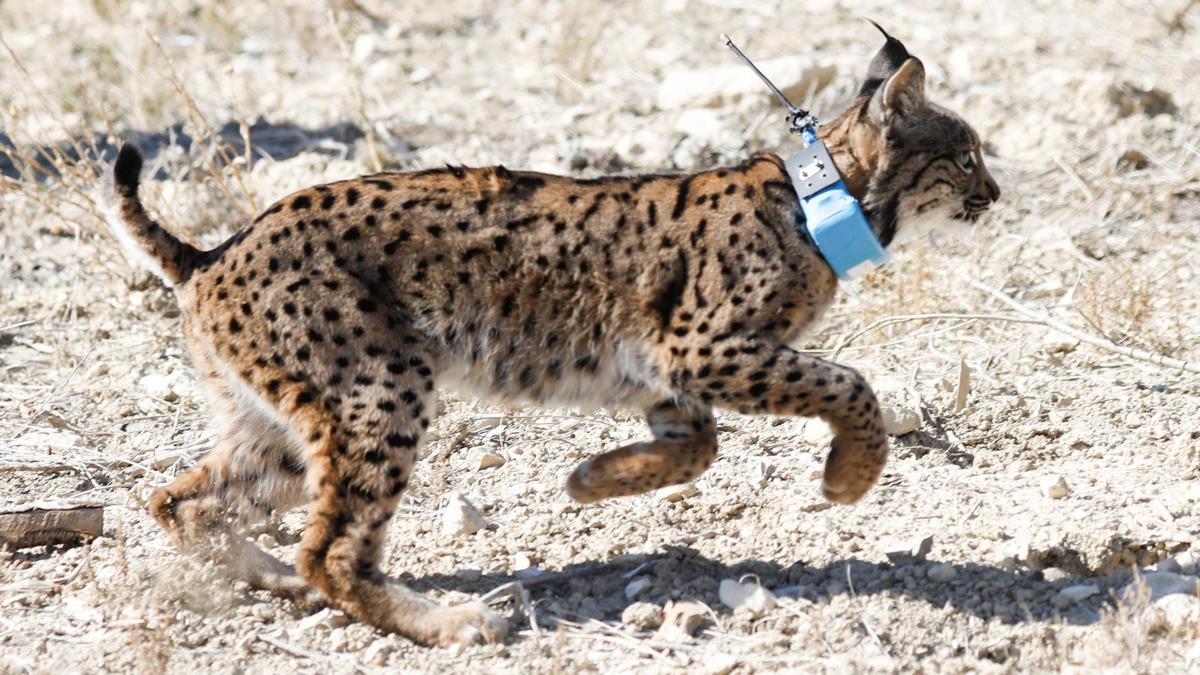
(1128, 352)
(47, 524)
(938, 316)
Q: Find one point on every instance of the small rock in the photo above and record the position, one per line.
(643, 616)
(635, 587)
(486, 460)
(676, 493)
(941, 572)
(911, 552)
(1078, 593)
(816, 432)
(901, 415)
(900, 421)
(1055, 574)
(1178, 611)
(681, 620)
(460, 517)
(750, 595)
(159, 386)
(521, 561)
(1054, 487)
(1162, 584)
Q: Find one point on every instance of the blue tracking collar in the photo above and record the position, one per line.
(833, 217)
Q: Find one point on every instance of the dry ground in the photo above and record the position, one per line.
(1090, 111)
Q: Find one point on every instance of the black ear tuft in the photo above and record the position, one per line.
(128, 167)
(887, 61)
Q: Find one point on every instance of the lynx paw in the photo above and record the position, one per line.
(467, 624)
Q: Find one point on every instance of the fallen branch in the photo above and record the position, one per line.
(49, 524)
(1107, 345)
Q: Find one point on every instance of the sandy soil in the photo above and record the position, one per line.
(1090, 113)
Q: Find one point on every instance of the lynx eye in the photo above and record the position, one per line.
(967, 160)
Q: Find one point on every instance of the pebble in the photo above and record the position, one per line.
(1054, 487)
(1078, 593)
(676, 493)
(899, 421)
(160, 386)
(486, 460)
(749, 594)
(643, 616)
(460, 517)
(681, 620)
(635, 587)
(941, 572)
(1055, 574)
(900, 414)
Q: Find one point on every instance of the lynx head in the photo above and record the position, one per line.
(915, 164)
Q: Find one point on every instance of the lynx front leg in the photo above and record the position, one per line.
(684, 446)
(757, 376)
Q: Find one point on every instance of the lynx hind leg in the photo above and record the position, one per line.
(252, 473)
(684, 446)
(363, 438)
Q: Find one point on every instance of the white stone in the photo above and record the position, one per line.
(748, 594)
(816, 432)
(676, 493)
(460, 517)
(486, 460)
(159, 386)
(1055, 574)
(797, 76)
(898, 421)
(901, 414)
(1078, 593)
(1054, 486)
(941, 572)
(635, 587)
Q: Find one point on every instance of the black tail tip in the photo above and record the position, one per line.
(128, 167)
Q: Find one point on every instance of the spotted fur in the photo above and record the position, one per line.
(323, 330)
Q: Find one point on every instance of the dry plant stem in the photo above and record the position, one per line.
(205, 129)
(359, 100)
(1129, 352)
(941, 316)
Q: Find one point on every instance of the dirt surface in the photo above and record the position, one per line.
(1089, 110)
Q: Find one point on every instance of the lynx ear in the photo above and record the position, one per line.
(901, 95)
(887, 61)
